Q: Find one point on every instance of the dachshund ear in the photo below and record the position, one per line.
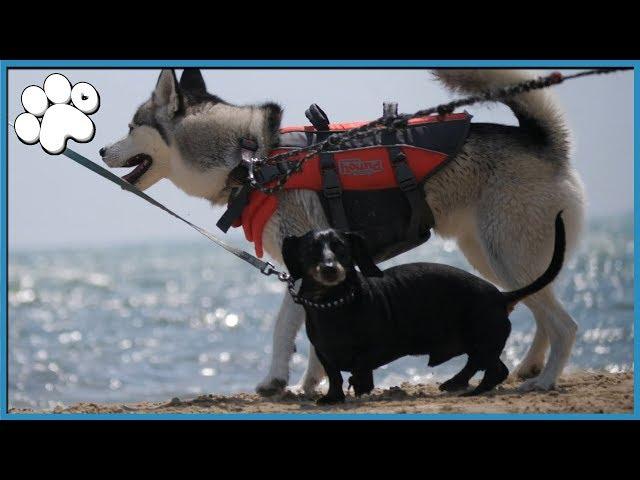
(291, 257)
(361, 255)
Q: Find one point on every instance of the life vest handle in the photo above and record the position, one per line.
(317, 117)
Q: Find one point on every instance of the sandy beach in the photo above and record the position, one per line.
(575, 393)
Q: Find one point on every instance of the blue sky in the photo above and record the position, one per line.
(54, 202)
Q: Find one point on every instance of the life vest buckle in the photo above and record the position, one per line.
(406, 180)
(404, 176)
(331, 184)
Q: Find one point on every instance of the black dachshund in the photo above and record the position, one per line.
(358, 322)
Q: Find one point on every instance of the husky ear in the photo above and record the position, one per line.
(192, 81)
(361, 255)
(167, 92)
(291, 256)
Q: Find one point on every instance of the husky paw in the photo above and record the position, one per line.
(304, 390)
(525, 371)
(63, 110)
(537, 384)
(300, 391)
(270, 387)
(310, 385)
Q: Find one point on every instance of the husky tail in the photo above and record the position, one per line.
(536, 111)
(512, 298)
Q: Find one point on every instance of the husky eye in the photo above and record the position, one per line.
(131, 127)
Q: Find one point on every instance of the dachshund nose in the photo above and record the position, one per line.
(102, 151)
(329, 270)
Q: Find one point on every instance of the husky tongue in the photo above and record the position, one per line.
(143, 163)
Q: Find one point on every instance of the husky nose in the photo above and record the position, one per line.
(102, 151)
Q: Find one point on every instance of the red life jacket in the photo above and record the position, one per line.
(370, 198)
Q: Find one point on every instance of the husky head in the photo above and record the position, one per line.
(187, 135)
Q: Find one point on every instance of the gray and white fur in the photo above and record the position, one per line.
(497, 198)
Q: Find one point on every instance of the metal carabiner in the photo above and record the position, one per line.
(250, 164)
(268, 269)
(285, 277)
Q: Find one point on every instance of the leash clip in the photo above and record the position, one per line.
(270, 269)
(285, 277)
(250, 164)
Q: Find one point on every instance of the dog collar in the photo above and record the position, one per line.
(248, 149)
(345, 300)
(237, 184)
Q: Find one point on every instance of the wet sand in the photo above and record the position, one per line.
(575, 393)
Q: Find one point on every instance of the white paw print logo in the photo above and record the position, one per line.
(63, 110)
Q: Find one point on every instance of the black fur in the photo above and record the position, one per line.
(274, 118)
(413, 309)
(290, 249)
(193, 89)
(191, 80)
(526, 140)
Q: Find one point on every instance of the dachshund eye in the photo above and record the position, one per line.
(336, 246)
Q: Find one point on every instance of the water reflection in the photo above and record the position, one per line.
(132, 324)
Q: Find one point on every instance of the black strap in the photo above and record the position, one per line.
(248, 144)
(235, 208)
(267, 172)
(409, 186)
(264, 267)
(237, 202)
(238, 176)
(332, 191)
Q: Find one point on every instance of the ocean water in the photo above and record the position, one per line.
(157, 321)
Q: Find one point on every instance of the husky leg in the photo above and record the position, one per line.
(290, 318)
(518, 251)
(314, 373)
(561, 328)
(534, 359)
(474, 253)
(552, 320)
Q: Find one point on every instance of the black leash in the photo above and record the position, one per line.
(398, 122)
(393, 122)
(266, 268)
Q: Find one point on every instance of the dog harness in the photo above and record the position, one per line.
(373, 186)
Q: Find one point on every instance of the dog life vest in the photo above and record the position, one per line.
(373, 186)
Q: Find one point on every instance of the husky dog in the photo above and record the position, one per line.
(497, 198)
